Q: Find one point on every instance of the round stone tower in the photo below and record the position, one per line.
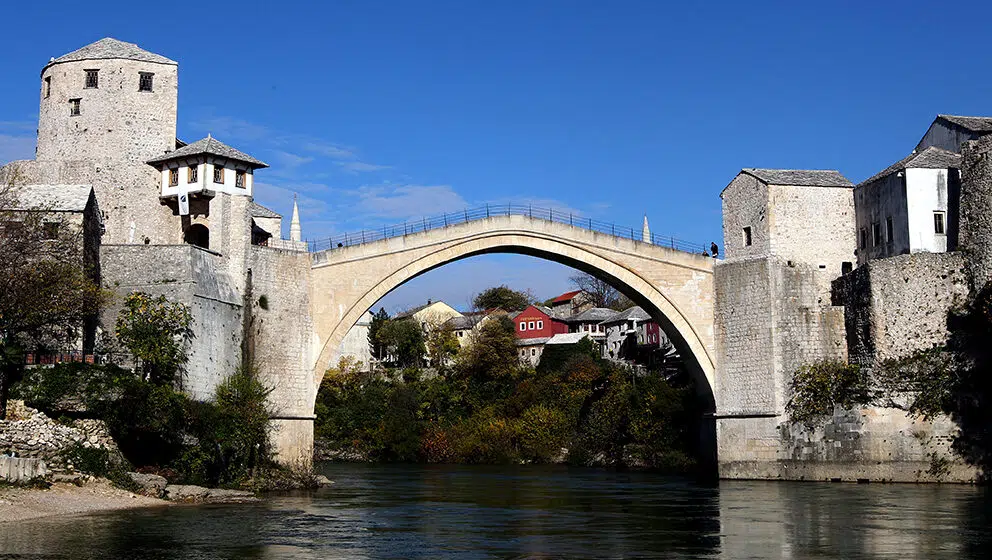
(106, 109)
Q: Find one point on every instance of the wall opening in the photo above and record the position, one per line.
(197, 234)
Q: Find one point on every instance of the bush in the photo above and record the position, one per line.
(819, 387)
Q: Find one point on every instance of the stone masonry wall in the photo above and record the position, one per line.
(899, 305)
(813, 225)
(745, 204)
(975, 221)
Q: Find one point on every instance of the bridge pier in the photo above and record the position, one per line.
(292, 439)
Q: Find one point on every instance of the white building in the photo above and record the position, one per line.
(910, 206)
(356, 343)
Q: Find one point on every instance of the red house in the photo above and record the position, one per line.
(537, 322)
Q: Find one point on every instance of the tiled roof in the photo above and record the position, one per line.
(210, 146)
(567, 296)
(972, 124)
(259, 211)
(462, 323)
(109, 47)
(532, 341)
(634, 312)
(930, 158)
(52, 198)
(543, 309)
(594, 315)
(800, 177)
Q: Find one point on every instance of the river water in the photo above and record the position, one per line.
(415, 511)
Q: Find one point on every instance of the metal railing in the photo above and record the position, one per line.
(490, 210)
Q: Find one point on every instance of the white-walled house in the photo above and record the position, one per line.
(910, 206)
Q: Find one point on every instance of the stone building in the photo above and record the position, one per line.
(950, 132)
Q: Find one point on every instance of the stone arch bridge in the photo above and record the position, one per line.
(671, 280)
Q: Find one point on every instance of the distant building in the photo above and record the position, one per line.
(632, 335)
(590, 321)
(910, 207)
(948, 132)
(356, 343)
(432, 313)
(538, 322)
(570, 304)
(531, 349)
(463, 326)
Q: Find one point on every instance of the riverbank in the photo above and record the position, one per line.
(19, 504)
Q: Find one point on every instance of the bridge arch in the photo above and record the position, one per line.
(674, 287)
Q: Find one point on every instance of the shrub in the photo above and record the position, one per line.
(155, 331)
(819, 387)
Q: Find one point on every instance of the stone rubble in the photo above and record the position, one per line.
(29, 433)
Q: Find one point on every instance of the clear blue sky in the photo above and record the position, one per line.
(376, 112)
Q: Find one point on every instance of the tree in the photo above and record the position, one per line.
(47, 293)
(503, 297)
(155, 331)
(403, 339)
(376, 347)
(601, 292)
(442, 344)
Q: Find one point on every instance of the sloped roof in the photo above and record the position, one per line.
(634, 312)
(51, 198)
(800, 177)
(930, 158)
(570, 338)
(567, 296)
(108, 48)
(259, 211)
(461, 323)
(972, 124)
(543, 309)
(532, 341)
(594, 315)
(210, 146)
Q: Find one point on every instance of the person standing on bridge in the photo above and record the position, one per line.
(714, 250)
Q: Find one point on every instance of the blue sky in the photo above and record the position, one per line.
(377, 112)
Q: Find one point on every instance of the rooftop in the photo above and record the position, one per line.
(532, 341)
(800, 177)
(567, 296)
(634, 312)
(210, 146)
(594, 315)
(51, 198)
(570, 338)
(930, 158)
(259, 211)
(972, 124)
(110, 48)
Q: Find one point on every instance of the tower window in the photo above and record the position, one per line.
(173, 177)
(864, 238)
(938, 223)
(219, 174)
(239, 179)
(92, 79)
(145, 81)
(888, 229)
(876, 234)
(191, 173)
(74, 107)
(48, 87)
(747, 236)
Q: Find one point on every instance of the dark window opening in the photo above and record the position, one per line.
(876, 234)
(92, 79)
(197, 234)
(145, 81)
(74, 107)
(864, 238)
(888, 230)
(191, 173)
(938, 223)
(173, 177)
(48, 87)
(218, 174)
(747, 236)
(239, 179)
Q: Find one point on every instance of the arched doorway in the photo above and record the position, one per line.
(197, 234)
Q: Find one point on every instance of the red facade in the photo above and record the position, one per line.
(534, 323)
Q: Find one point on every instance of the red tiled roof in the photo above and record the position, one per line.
(567, 296)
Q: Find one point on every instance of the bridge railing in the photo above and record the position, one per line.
(490, 210)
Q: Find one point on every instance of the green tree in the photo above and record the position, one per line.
(46, 292)
(155, 331)
(375, 345)
(404, 340)
(442, 345)
(503, 297)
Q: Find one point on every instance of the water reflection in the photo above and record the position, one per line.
(536, 512)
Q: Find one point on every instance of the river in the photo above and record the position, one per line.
(416, 511)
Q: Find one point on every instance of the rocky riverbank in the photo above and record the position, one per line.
(18, 503)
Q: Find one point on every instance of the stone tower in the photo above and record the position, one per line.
(106, 109)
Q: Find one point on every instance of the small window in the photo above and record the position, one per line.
(239, 179)
(48, 87)
(74, 107)
(533, 351)
(523, 326)
(145, 81)
(747, 236)
(173, 177)
(939, 226)
(191, 173)
(92, 79)
(864, 238)
(876, 234)
(888, 230)
(530, 325)
(540, 325)
(219, 174)
(51, 230)
(461, 334)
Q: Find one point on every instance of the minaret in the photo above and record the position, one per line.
(295, 233)
(646, 231)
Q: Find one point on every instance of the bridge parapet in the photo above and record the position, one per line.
(492, 210)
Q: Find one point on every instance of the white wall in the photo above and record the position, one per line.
(205, 179)
(926, 192)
